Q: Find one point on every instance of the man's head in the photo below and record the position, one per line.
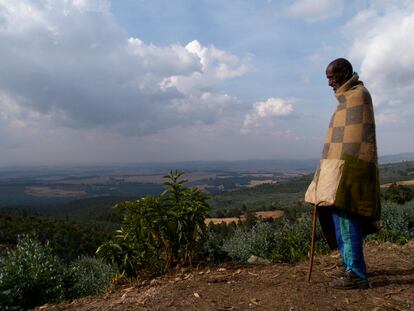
(338, 72)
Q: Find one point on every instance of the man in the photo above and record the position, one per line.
(345, 187)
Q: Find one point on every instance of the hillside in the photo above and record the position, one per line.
(82, 193)
(271, 287)
(79, 227)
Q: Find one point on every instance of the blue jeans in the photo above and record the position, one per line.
(350, 242)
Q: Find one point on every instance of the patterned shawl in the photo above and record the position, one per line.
(347, 177)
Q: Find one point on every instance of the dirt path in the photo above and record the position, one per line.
(273, 287)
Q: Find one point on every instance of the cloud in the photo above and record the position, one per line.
(91, 5)
(265, 112)
(315, 10)
(18, 125)
(215, 66)
(381, 40)
(387, 116)
(70, 62)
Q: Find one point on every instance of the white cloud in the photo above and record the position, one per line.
(92, 5)
(70, 61)
(216, 65)
(382, 41)
(315, 10)
(265, 112)
(387, 116)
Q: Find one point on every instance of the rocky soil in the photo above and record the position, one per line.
(267, 287)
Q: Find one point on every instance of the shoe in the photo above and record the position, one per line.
(337, 271)
(349, 280)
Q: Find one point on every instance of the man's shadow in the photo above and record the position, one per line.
(380, 278)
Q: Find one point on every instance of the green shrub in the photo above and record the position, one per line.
(397, 223)
(294, 239)
(282, 241)
(159, 232)
(87, 276)
(30, 275)
(213, 251)
(398, 193)
(259, 241)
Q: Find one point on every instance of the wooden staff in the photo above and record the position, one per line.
(312, 248)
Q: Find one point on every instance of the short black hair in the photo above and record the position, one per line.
(340, 65)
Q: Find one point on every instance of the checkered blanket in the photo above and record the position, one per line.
(347, 177)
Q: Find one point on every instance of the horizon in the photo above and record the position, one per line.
(100, 82)
(400, 156)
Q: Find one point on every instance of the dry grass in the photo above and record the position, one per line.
(226, 220)
(260, 214)
(401, 182)
(254, 183)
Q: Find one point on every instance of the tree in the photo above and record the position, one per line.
(398, 193)
(159, 232)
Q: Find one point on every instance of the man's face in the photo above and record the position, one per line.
(335, 77)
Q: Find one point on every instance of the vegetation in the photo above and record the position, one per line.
(69, 239)
(284, 195)
(397, 223)
(166, 230)
(393, 172)
(14, 192)
(32, 275)
(284, 240)
(158, 232)
(87, 276)
(288, 239)
(398, 193)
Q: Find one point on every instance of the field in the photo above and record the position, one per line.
(56, 186)
(400, 182)
(50, 192)
(55, 190)
(259, 214)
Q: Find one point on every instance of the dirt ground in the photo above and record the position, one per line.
(267, 287)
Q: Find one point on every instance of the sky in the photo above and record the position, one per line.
(128, 81)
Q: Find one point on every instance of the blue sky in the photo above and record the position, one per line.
(98, 81)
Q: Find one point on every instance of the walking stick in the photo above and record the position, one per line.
(312, 248)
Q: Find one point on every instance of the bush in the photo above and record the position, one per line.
(87, 276)
(288, 240)
(398, 193)
(30, 275)
(216, 234)
(159, 232)
(283, 241)
(294, 239)
(258, 241)
(397, 223)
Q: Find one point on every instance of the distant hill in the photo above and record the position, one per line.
(57, 186)
(270, 165)
(252, 165)
(393, 158)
